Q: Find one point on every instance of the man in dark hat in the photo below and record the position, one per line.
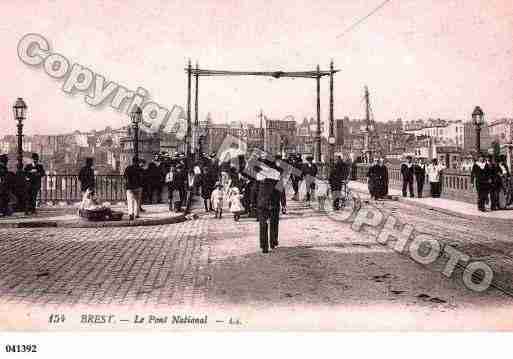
(180, 185)
(407, 172)
(34, 173)
(309, 173)
(268, 204)
(481, 178)
(133, 184)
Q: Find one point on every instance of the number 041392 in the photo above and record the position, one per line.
(21, 348)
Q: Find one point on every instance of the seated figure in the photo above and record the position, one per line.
(91, 209)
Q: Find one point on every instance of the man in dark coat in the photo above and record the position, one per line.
(297, 162)
(208, 182)
(86, 176)
(481, 177)
(336, 176)
(283, 189)
(407, 172)
(378, 180)
(382, 179)
(7, 181)
(505, 180)
(268, 204)
(420, 176)
(495, 184)
(309, 173)
(181, 186)
(371, 175)
(253, 196)
(144, 191)
(153, 183)
(134, 184)
(34, 173)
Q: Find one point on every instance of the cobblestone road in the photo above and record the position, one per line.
(158, 265)
(207, 261)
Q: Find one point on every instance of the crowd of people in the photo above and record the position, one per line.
(490, 177)
(242, 187)
(412, 172)
(21, 188)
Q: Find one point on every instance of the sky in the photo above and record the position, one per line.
(419, 58)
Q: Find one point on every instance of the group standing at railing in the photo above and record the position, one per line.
(20, 189)
(490, 177)
(492, 182)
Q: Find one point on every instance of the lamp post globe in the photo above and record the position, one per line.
(135, 118)
(477, 116)
(19, 111)
(478, 120)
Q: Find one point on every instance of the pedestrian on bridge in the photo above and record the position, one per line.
(407, 172)
(133, 183)
(481, 178)
(208, 181)
(381, 179)
(420, 175)
(34, 173)
(309, 174)
(434, 171)
(338, 174)
(268, 204)
(373, 179)
(496, 184)
(86, 176)
(296, 178)
(7, 182)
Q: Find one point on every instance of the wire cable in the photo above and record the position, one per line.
(360, 21)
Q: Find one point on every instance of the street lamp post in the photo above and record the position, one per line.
(19, 110)
(200, 144)
(135, 117)
(477, 118)
(331, 139)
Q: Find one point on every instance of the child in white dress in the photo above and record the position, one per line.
(217, 200)
(235, 203)
(322, 193)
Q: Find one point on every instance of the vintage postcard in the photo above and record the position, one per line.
(244, 165)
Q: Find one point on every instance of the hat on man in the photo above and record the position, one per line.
(35, 156)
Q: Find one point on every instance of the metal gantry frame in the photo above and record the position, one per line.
(317, 75)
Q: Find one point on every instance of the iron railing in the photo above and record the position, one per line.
(66, 188)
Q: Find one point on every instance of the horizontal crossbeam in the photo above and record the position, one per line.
(275, 74)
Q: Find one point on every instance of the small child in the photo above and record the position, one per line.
(322, 193)
(235, 203)
(217, 200)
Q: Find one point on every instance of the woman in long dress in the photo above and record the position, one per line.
(381, 179)
(372, 179)
(208, 181)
